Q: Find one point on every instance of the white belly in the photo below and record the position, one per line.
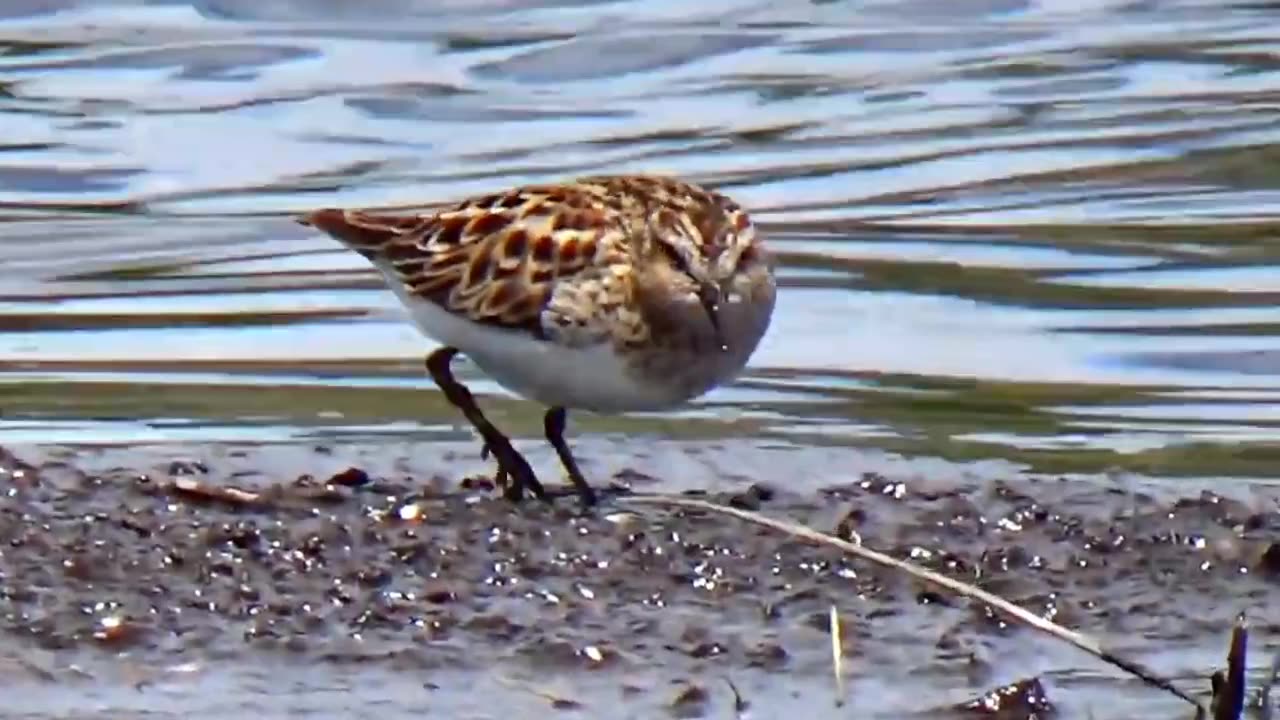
(591, 378)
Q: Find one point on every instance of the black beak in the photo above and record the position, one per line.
(709, 296)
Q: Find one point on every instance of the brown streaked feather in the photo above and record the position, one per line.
(495, 264)
(497, 258)
(366, 234)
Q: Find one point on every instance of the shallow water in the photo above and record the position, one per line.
(1048, 219)
(1037, 234)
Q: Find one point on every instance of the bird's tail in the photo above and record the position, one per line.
(367, 234)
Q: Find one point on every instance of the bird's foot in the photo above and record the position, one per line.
(514, 473)
(580, 489)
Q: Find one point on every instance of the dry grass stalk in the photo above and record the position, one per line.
(837, 655)
(1229, 687)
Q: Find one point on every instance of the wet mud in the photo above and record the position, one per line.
(109, 561)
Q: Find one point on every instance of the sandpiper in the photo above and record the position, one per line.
(610, 294)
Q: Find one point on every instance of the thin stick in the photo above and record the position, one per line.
(1264, 695)
(1084, 642)
(837, 656)
(1229, 691)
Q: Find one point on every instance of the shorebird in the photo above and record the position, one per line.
(611, 294)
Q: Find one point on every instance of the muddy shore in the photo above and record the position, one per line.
(128, 567)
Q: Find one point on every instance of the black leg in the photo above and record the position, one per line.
(553, 423)
(510, 463)
(499, 477)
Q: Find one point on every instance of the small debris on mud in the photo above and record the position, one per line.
(752, 498)
(351, 477)
(1021, 700)
(690, 701)
(190, 489)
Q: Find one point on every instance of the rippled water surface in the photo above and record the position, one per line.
(1038, 232)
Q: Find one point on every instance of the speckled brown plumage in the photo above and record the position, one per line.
(498, 258)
